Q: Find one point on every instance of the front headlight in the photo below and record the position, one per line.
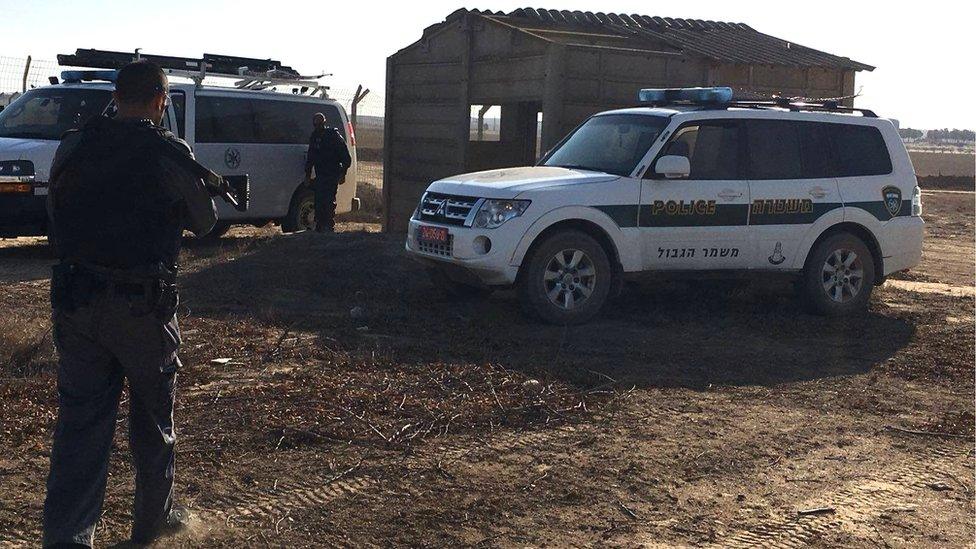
(494, 213)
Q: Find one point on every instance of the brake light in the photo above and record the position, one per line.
(14, 188)
(352, 134)
(917, 202)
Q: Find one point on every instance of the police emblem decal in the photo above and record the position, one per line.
(892, 199)
(777, 258)
(232, 158)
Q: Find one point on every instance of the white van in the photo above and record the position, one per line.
(687, 185)
(263, 134)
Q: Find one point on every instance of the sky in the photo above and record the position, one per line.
(922, 51)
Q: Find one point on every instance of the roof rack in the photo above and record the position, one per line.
(722, 98)
(248, 73)
(827, 105)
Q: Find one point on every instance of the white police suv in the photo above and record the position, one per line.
(692, 182)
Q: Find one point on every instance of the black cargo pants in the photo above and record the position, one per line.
(325, 188)
(100, 344)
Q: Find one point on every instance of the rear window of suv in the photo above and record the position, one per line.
(860, 150)
(783, 149)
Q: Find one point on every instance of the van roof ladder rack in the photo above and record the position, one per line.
(248, 73)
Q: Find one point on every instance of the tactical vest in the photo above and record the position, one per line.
(109, 203)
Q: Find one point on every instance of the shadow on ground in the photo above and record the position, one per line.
(25, 260)
(657, 336)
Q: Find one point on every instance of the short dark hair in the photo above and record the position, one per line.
(141, 81)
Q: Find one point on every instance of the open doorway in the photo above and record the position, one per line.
(503, 135)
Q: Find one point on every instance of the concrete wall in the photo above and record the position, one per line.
(427, 119)
(431, 87)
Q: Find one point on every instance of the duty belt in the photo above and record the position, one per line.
(74, 284)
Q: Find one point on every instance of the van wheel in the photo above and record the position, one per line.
(301, 213)
(566, 280)
(454, 289)
(838, 276)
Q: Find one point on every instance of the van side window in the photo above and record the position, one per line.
(860, 150)
(712, 149)
(224, 120)
(774, 150)
(815, 150)
(290, 122)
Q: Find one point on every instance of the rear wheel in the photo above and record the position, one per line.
(839, 276)
(301, 213)
(567, 279)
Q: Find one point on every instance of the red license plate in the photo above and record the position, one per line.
(437, 235)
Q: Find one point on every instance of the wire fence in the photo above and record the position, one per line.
(18, 74)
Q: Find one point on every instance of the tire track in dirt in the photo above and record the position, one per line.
(268, 504)
(272, 503)
(854, 504)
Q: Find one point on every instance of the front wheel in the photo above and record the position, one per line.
(217, 232)
(838, 276)
(567, 279)
(301, 213)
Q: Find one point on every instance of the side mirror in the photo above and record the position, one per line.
(673, 166)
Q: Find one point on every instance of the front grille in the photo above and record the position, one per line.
(433, 248)
(445, 208)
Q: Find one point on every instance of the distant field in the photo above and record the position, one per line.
(941, 163)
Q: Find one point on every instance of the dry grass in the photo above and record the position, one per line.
(940, 163)
(26, 347)
(371, 205)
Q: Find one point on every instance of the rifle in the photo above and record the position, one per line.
(234, 189)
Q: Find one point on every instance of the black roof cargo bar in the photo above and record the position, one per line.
(213, 63)
(798, 106)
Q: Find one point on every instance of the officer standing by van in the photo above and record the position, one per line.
(118, 205)
(328, 154)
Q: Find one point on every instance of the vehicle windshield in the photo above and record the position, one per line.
(611, 143)
(46, 113)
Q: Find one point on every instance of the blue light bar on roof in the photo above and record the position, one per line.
(88, 76)
(686, 95)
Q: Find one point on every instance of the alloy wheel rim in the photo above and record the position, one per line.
(569, 279)
(842, 275)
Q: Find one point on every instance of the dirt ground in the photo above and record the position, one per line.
(330, 397)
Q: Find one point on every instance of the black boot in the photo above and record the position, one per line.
(176, 522)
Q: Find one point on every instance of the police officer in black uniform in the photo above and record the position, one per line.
(328, 154)
(118, 208)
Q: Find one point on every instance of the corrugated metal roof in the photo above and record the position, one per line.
(721, 41)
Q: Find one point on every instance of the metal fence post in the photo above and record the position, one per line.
(357, 98)
(26, 72)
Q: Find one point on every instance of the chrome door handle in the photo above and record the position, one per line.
(729, 194)
(818, 192)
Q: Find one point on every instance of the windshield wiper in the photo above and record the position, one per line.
(577, 167)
